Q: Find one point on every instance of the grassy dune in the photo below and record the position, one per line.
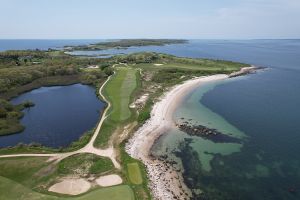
(85, 163)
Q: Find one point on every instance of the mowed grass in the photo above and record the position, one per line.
(22, 169)
(118, 92)
(122, 192)
(134, 173)
(12, 190)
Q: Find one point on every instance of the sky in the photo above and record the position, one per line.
(115, 19)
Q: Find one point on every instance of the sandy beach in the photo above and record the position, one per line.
(166, 182)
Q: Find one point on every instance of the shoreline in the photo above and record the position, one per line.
(165, 181)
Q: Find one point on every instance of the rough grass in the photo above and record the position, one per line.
(209, 65)
(134, 172)
(14, 191)
(8, 126)
(22, 169)
(85, 164)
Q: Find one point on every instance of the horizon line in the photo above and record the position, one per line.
(137, 38)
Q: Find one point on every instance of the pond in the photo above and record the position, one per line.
(60, 116)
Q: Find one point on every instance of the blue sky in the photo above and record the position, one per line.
(191, 19)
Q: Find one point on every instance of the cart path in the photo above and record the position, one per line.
(109, 152)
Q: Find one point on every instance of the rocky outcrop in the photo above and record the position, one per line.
(206, 133)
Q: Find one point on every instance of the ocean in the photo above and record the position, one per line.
(42, 44)
(261, 109)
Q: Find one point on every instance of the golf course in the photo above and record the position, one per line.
(97, 166)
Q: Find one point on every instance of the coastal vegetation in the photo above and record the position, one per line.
(126, 43)
(85, 163)
(44, 68)
(136, 82)
(10, 115)
(38, 148)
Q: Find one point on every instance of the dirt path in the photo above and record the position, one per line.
(89, 147)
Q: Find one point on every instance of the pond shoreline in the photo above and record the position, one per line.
(43, 82)
(73, 111)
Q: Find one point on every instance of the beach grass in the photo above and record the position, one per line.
(85, 163)
(206, 66)
(134, 172)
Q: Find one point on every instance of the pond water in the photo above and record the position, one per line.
(60, 116)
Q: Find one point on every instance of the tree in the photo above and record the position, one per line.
(3, 113)
(108, 71)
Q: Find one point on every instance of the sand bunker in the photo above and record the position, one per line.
(158, 64)
(71, 186)
(109, 180)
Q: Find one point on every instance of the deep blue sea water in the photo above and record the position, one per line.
(42, 44)
(60, 116)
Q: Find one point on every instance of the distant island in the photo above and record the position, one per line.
(125, 43)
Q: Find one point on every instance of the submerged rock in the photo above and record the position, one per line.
(206, 133)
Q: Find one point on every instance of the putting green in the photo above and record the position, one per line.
(135, 174)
